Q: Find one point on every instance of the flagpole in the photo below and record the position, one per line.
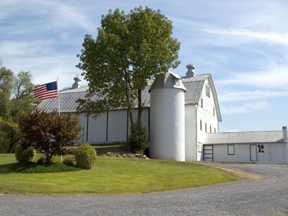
(59, 111)
(59, 104)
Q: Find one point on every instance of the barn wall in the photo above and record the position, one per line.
(145, 120)
(208, 117)
(190, 132)
(101, 129)
(117, 126)
(97, 128)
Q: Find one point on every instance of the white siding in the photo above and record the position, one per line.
(83, 127)
(242, 153)
(117, 126)
(205, 115)
(190, 132)
(273, 153)
(97, 128)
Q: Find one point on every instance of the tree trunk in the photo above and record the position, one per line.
(139, 116)
(127, 92)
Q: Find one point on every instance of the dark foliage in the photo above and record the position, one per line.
(48, 132)
(25, 155)
(138, 140)
(9, 136)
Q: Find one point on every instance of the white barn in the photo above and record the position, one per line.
(182, 116)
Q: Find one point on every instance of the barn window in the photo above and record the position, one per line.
(201, 126)
(208, 91)
(231, 149)
(202, 103)
(261, 148)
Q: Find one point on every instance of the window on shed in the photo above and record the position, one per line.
(206, 127)
(202, 103)
(261, 148)
(231, 149)
(210, 129)
(201, 126)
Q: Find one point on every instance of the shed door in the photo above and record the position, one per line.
(253, 152)
(262, 153)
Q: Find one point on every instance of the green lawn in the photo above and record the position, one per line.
(110, 176)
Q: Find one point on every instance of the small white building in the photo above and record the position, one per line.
(257, 146)
(182, 116)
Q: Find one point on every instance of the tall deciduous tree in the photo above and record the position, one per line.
(6, 86)
(129, 50)
(22, 101)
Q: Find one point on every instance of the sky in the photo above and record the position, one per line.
(243, 44)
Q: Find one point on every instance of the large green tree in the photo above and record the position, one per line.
(129, 51)
(15, 100)
(22, 100)
(6, 86)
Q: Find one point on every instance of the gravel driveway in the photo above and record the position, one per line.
(268, 196)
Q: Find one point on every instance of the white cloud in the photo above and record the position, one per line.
(23, 48)
(247, 35)
(273, 77)
(235, 96)
(58, 14)
(65, 15)
(244, 108)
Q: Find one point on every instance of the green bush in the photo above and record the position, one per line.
(9, 135)
(25, 155)
(138, 140)
(85, 156)
(69, 160)
(41, 161)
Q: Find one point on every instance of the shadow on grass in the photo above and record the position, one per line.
(36, 168)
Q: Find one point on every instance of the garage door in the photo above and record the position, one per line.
(208, 152)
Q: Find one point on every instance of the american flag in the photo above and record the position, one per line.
(48, 90)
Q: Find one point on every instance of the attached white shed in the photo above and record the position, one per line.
(257, 147)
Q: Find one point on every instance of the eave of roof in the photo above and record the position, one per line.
(249, 137)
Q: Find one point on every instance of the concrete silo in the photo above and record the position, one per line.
(168, 118)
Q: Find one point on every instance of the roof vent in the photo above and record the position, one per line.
(76, 82)
(285, 136)
(190, 70)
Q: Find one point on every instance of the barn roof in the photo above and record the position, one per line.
(69, 97)
(245, 137)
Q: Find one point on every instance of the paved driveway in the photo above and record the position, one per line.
(268, 196)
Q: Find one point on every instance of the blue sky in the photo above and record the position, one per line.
(243, 44)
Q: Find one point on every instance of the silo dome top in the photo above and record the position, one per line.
(168, 80)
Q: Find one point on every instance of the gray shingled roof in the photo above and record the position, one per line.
(193, 91)
(68, 100)
(69, 97)
(245, 137)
